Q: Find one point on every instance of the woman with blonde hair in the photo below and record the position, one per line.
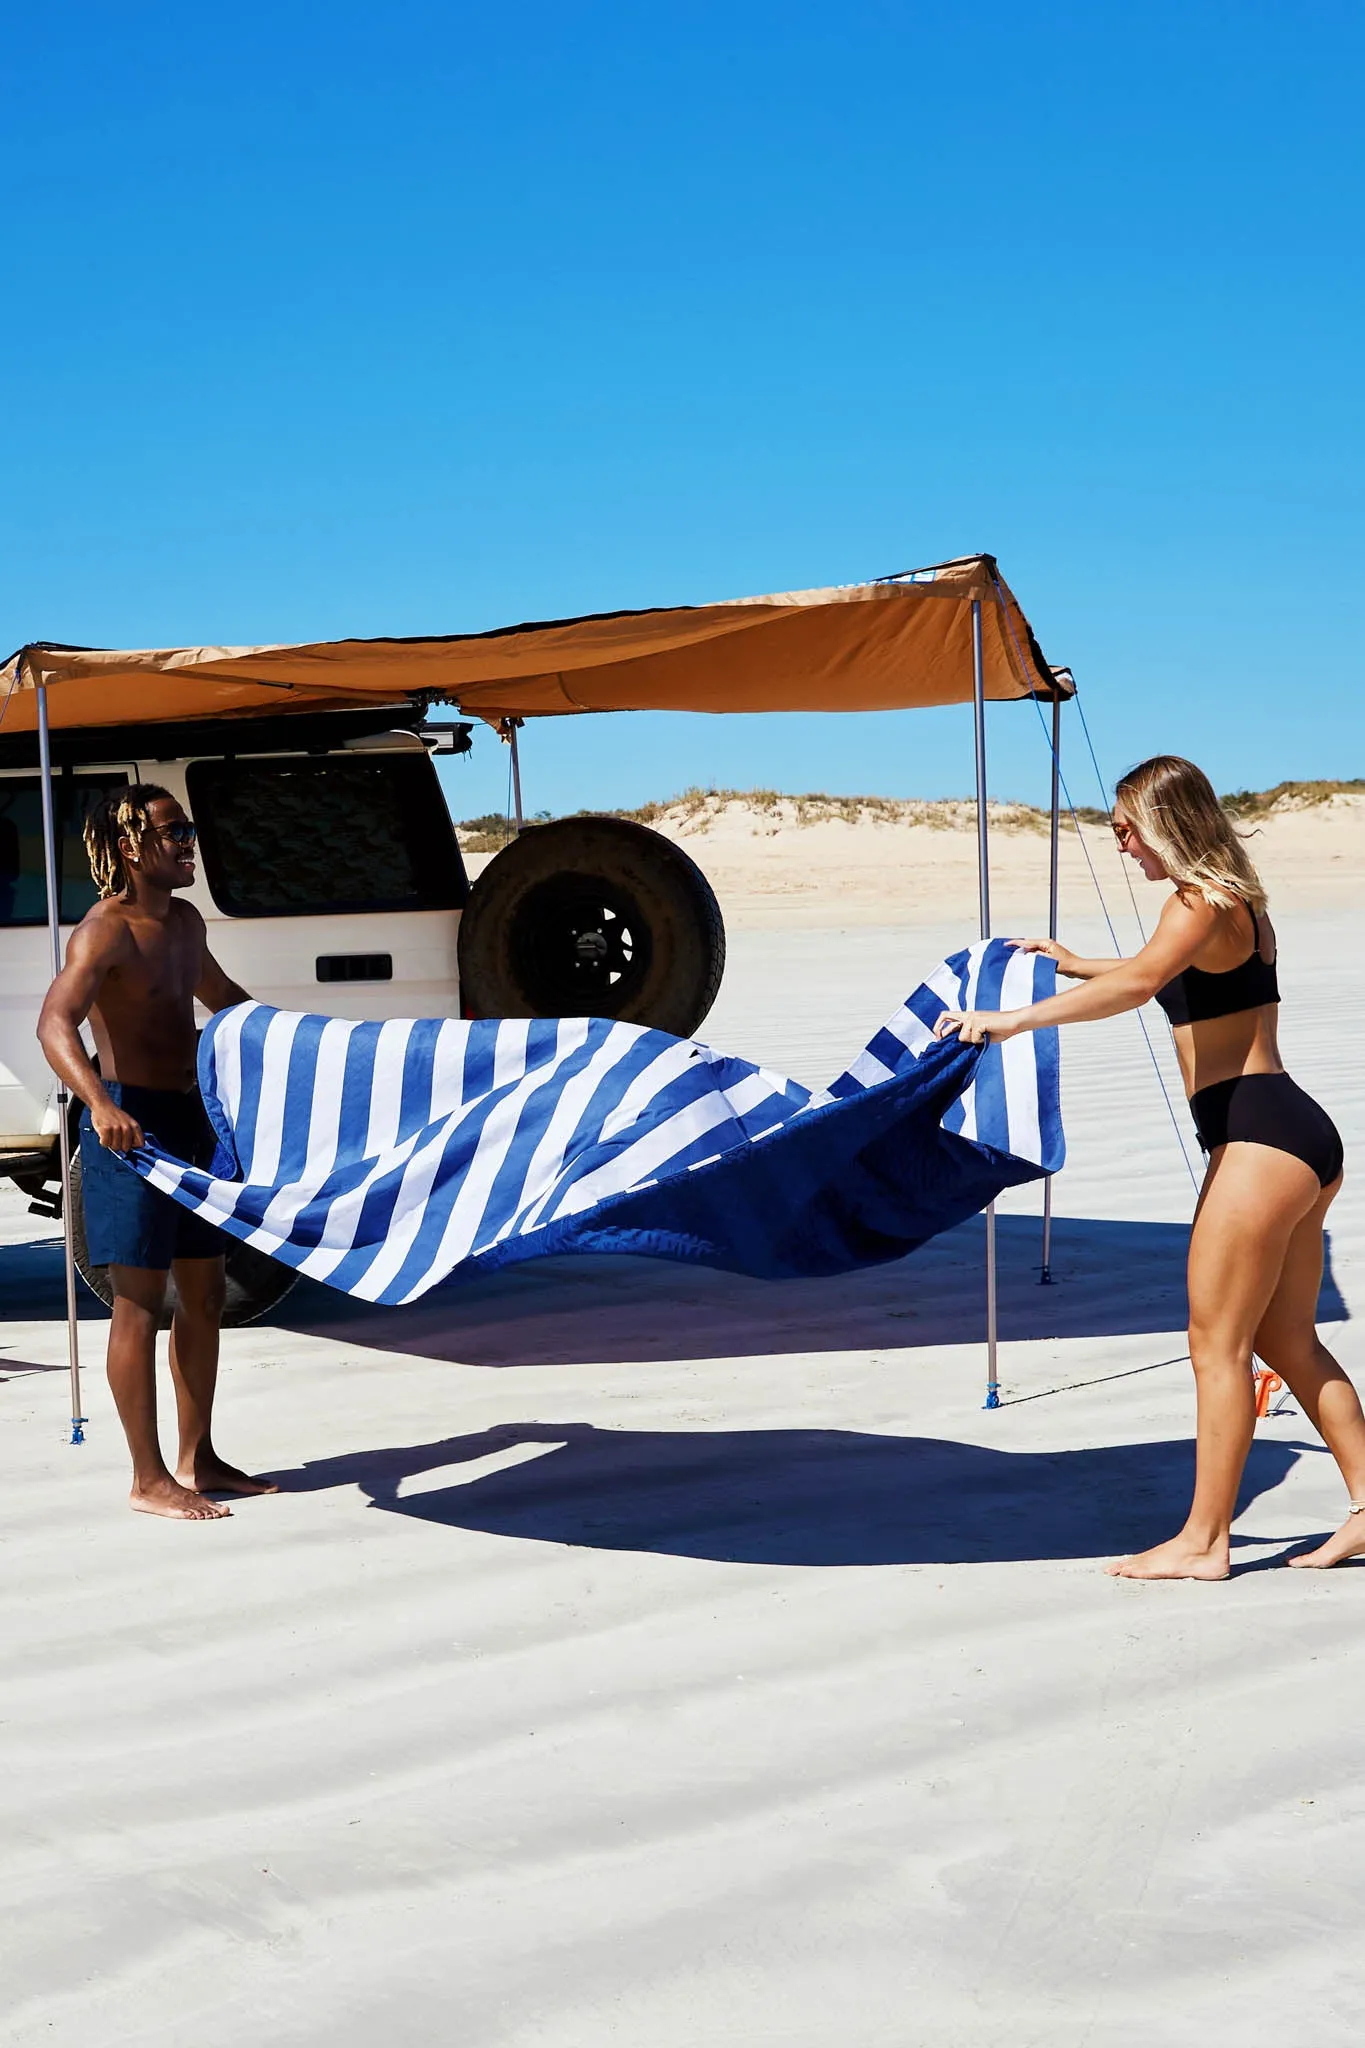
(1274, 1156)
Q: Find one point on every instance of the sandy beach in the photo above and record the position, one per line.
(648, 1656)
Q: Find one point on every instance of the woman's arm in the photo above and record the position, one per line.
(1068, 963)
(1185, 926)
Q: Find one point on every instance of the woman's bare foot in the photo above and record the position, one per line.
(210, 1474)
(1349, 1541)
(178, 1503)
(1181, 1558)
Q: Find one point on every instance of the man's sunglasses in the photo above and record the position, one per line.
(182, 832)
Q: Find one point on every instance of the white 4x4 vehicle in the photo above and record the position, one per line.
(331, 881)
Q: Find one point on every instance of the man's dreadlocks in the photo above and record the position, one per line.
(123, 814)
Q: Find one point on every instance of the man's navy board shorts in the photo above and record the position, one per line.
(128, 1222)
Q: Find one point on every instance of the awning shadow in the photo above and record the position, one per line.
(1111, 1279)
(789, 1496)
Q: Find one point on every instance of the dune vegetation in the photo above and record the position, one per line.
(696, 810)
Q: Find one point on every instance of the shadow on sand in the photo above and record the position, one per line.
(789, 1496)
(33, 1287)
(1112, 1279)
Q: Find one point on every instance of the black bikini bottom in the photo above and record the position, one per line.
(1269, 1109)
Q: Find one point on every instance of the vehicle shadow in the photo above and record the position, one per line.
(789, 1496)
(1111, 1279)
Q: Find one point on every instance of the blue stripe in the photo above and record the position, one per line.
(419, 1057)
(300, 1085)
(357, 1088)
(251, 1075)
(992, 1118)
(928, 1007)
(889, 1050)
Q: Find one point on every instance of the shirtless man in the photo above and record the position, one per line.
(134, 966)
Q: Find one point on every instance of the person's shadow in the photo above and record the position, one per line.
(789, 1496)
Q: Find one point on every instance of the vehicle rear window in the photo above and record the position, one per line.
(357, 832)
(23, 888)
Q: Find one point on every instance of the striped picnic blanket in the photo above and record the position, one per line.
(383, 1157)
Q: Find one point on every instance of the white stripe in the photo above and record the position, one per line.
(344, 1210)
(546, 1163)
(914, 1034)
(648, 1084)
(1019, 1061)
(509, 1051)
(753, 1089)
(461, 1232)
(447, 1068)
(324, 1111)
(386, 1086)
(948, 985)
(227, 1058)
(337, 1239)
(655, 1149)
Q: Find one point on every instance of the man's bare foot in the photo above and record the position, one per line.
(1181, 1558)
(1349, 1541)
(211, 1475)
(178, 1503)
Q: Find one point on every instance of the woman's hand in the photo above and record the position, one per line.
(975, 1027)
(1054, 949)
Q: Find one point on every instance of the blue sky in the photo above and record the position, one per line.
(341, 319)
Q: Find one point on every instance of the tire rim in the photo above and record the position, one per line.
(580, 947)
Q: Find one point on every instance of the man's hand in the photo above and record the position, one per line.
(115, 1129)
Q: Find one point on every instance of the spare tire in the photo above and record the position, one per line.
(255, 1283)
(592, 917)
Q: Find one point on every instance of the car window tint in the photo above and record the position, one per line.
(286, 838)
(23, 887)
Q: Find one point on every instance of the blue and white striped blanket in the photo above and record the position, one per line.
(382, 1157)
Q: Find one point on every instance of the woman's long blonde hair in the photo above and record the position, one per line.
(1174, 808)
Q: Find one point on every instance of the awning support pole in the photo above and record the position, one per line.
(513, 723)
(54, 929)
(1045, 1276)
(984, 888)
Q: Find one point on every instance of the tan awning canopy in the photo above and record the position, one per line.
(900, 642)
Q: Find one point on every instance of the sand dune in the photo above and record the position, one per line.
(818, 863)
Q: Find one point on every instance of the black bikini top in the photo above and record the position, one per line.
(1195, 996)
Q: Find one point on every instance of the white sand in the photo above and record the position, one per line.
(785, 1702)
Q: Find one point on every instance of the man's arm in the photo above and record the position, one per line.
(216, 990)
(94, 947)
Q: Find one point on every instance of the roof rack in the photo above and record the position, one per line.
(309, 732)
